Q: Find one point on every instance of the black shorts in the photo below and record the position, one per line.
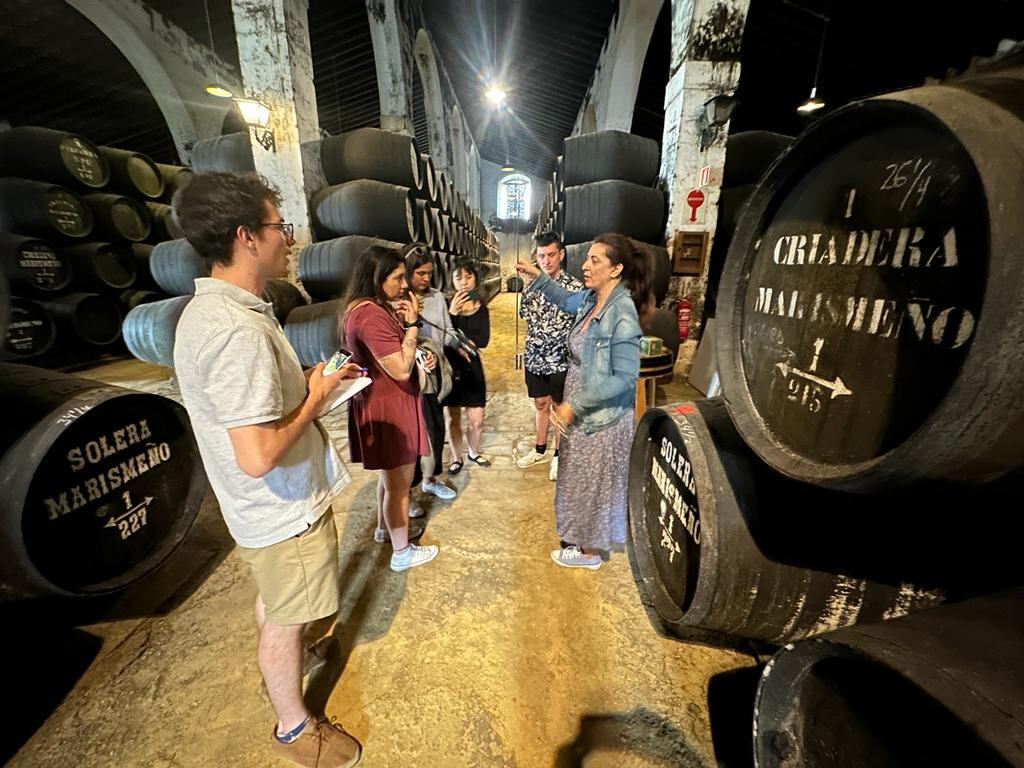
(546, 385)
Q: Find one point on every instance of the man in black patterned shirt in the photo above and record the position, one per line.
(546, 354)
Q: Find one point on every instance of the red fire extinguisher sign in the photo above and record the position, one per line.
(683, 309)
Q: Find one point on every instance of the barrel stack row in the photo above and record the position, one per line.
(604, 182)
(78, 224)
(866, 461)
(382, 191)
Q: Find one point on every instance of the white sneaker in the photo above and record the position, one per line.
(553, 472)
(412, 556)
(415, 510)
(439, 489)
(573, 557)
(528, 460)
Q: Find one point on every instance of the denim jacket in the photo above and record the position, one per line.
(610, 361)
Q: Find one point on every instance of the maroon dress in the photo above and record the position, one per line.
(385, 421)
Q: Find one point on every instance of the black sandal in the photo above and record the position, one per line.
(454, 468)
(480, 461)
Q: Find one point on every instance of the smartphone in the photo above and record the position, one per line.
(335, 361)
(473, 294)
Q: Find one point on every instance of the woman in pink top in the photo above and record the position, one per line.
(385, 423)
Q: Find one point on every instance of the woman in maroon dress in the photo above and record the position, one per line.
(385, 422)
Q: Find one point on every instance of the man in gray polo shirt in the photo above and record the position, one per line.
(270, 462)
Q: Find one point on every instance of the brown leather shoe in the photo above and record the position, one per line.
(322, 744)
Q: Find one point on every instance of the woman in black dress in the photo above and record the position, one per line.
(469, 388)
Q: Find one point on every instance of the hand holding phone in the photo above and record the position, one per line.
(335, 361)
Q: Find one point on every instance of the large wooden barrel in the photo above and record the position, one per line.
(133, 297)
(428, 182)
(443, 237)
(365, 207)
(224, 153)
(175, 177)
(175, 265)
(119, 218)
(165, 223)
(88, 317)
(44, 154)
(436, 227)
(284, 296)
(30, 330)
(325, 267)
(426, 222)
(604, 155)
(370, 153)
(444, 187)
(101, 484)
(748, 155)
(874, 310)
(149, 329)
(723, 547)
(612, 206)
(941, 687)
(32, 264)
(5, 305)
(141, 253)
(313, 331)
(575, 255)
(133, 173)
(42, 209)
(102, 266)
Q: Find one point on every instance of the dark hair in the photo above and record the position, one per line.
(467, 264)
(547, 238)
(371, 270)
(415, 256)
(212, 206)
(637, 268)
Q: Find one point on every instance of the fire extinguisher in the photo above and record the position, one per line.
(683, 308)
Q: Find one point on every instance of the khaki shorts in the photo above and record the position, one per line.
(298, 577)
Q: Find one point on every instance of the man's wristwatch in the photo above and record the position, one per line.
(417, 324)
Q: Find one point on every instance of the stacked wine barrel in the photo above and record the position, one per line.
(78, 224)
(382, 191)
(101, 484)
(866, 461)
(604, 182)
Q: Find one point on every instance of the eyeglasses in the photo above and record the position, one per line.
(286, 229)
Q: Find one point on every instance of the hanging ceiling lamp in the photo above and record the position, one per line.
(215, 88)
(813, 103)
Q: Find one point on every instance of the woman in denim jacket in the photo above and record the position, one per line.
(600, 392)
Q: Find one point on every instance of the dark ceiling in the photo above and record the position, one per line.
(872, 47)
(544, 52)
(60, 71)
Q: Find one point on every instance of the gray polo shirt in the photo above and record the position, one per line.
(236, 368)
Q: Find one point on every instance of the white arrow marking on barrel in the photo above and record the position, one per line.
(838, 387)
(113, 521)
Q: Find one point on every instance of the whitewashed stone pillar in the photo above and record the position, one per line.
(277, 69)
(392, 86)
(706, 39)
